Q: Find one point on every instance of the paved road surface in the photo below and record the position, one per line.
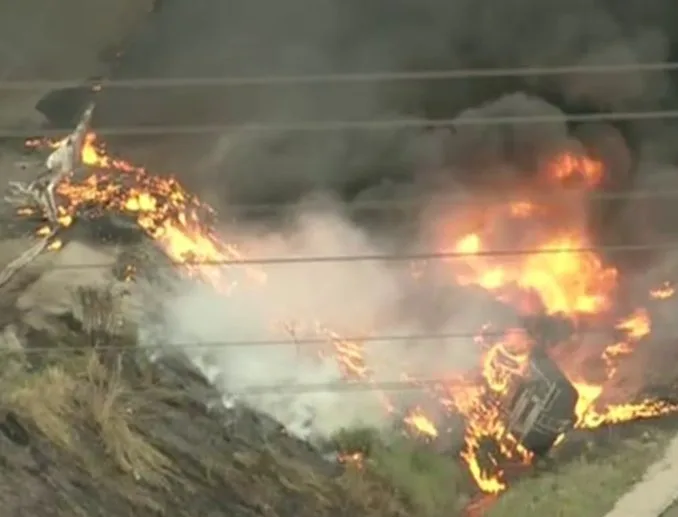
(655, 496)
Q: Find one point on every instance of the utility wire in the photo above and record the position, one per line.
(412, 203)
(344, 386)
(358, 77)
(381, 386)
(455, 200)
(399, 257)
(303, 342)
(415, 202)
(359, 385)
(342, 125)
(369, 125)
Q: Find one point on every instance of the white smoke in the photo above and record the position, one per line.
(353, 298)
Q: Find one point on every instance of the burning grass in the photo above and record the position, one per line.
(82, 404)
(584, 476)
(563, 277)
(106, 436)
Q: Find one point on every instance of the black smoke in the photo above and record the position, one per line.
(231, 38)
(212, 38)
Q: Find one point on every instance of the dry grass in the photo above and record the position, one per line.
(71, 399)
(587, 485)
(48, 399)
(79, 401)
(110, 406)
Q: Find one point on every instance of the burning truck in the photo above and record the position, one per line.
(542, 405)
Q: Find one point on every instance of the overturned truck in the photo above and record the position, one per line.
(543, 405)
(543, 402)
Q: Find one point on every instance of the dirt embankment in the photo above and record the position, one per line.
(78, 438)
(90, 426)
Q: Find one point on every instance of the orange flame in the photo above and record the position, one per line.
(567, 167)
(664, 292)
(421, 423)
(555, 281)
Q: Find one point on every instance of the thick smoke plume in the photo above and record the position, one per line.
(307, 301)
(266, 38)
(208, 38)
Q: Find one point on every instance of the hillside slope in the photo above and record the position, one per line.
(90, 426)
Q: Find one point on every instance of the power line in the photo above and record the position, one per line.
(398, 257)
(293, 342)
(343, 386)
(415, 202)
(356, 77)
(359, 385)
(342, 125)
(336, 386)
(408, 203)
(412, 202)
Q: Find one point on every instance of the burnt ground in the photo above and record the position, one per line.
(90, 426)
(89, 434)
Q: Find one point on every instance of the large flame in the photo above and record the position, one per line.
(566, 277)
(576, 285)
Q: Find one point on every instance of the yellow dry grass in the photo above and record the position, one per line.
(80, 402)
(77, 396)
